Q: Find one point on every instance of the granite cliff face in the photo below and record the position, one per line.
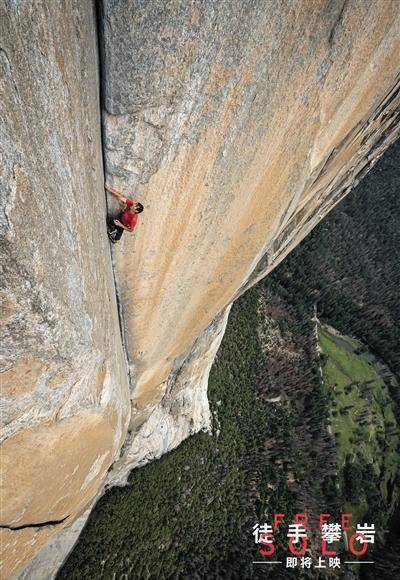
(64, 386)
(238, 125)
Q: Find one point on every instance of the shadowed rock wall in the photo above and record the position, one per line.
(64, 391)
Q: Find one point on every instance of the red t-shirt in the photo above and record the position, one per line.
(128, 218)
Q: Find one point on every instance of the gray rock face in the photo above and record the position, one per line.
(239, 125)
(64, 390)
(183, 411)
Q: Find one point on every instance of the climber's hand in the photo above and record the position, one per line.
(113, 191)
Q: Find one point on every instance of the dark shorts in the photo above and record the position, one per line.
(114, 232)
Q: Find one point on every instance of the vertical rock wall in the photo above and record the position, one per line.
(64, 392)
(238, 125)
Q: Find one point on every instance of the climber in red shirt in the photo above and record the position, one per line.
(126, 220)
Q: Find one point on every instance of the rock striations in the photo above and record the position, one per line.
(238, 125)
(64, 387)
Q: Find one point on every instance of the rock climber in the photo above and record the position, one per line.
(127, 218)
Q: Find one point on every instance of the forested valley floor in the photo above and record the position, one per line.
(306, 412)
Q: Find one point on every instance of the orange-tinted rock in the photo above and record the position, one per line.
(63, 382)
(51, 471)
(238, 125)
(20, 546)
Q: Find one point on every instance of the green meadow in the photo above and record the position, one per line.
(363, 424)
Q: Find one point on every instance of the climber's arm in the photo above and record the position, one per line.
(115, 192)
(119, 224)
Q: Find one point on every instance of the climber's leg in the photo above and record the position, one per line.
(118, 234)
(114, 232)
